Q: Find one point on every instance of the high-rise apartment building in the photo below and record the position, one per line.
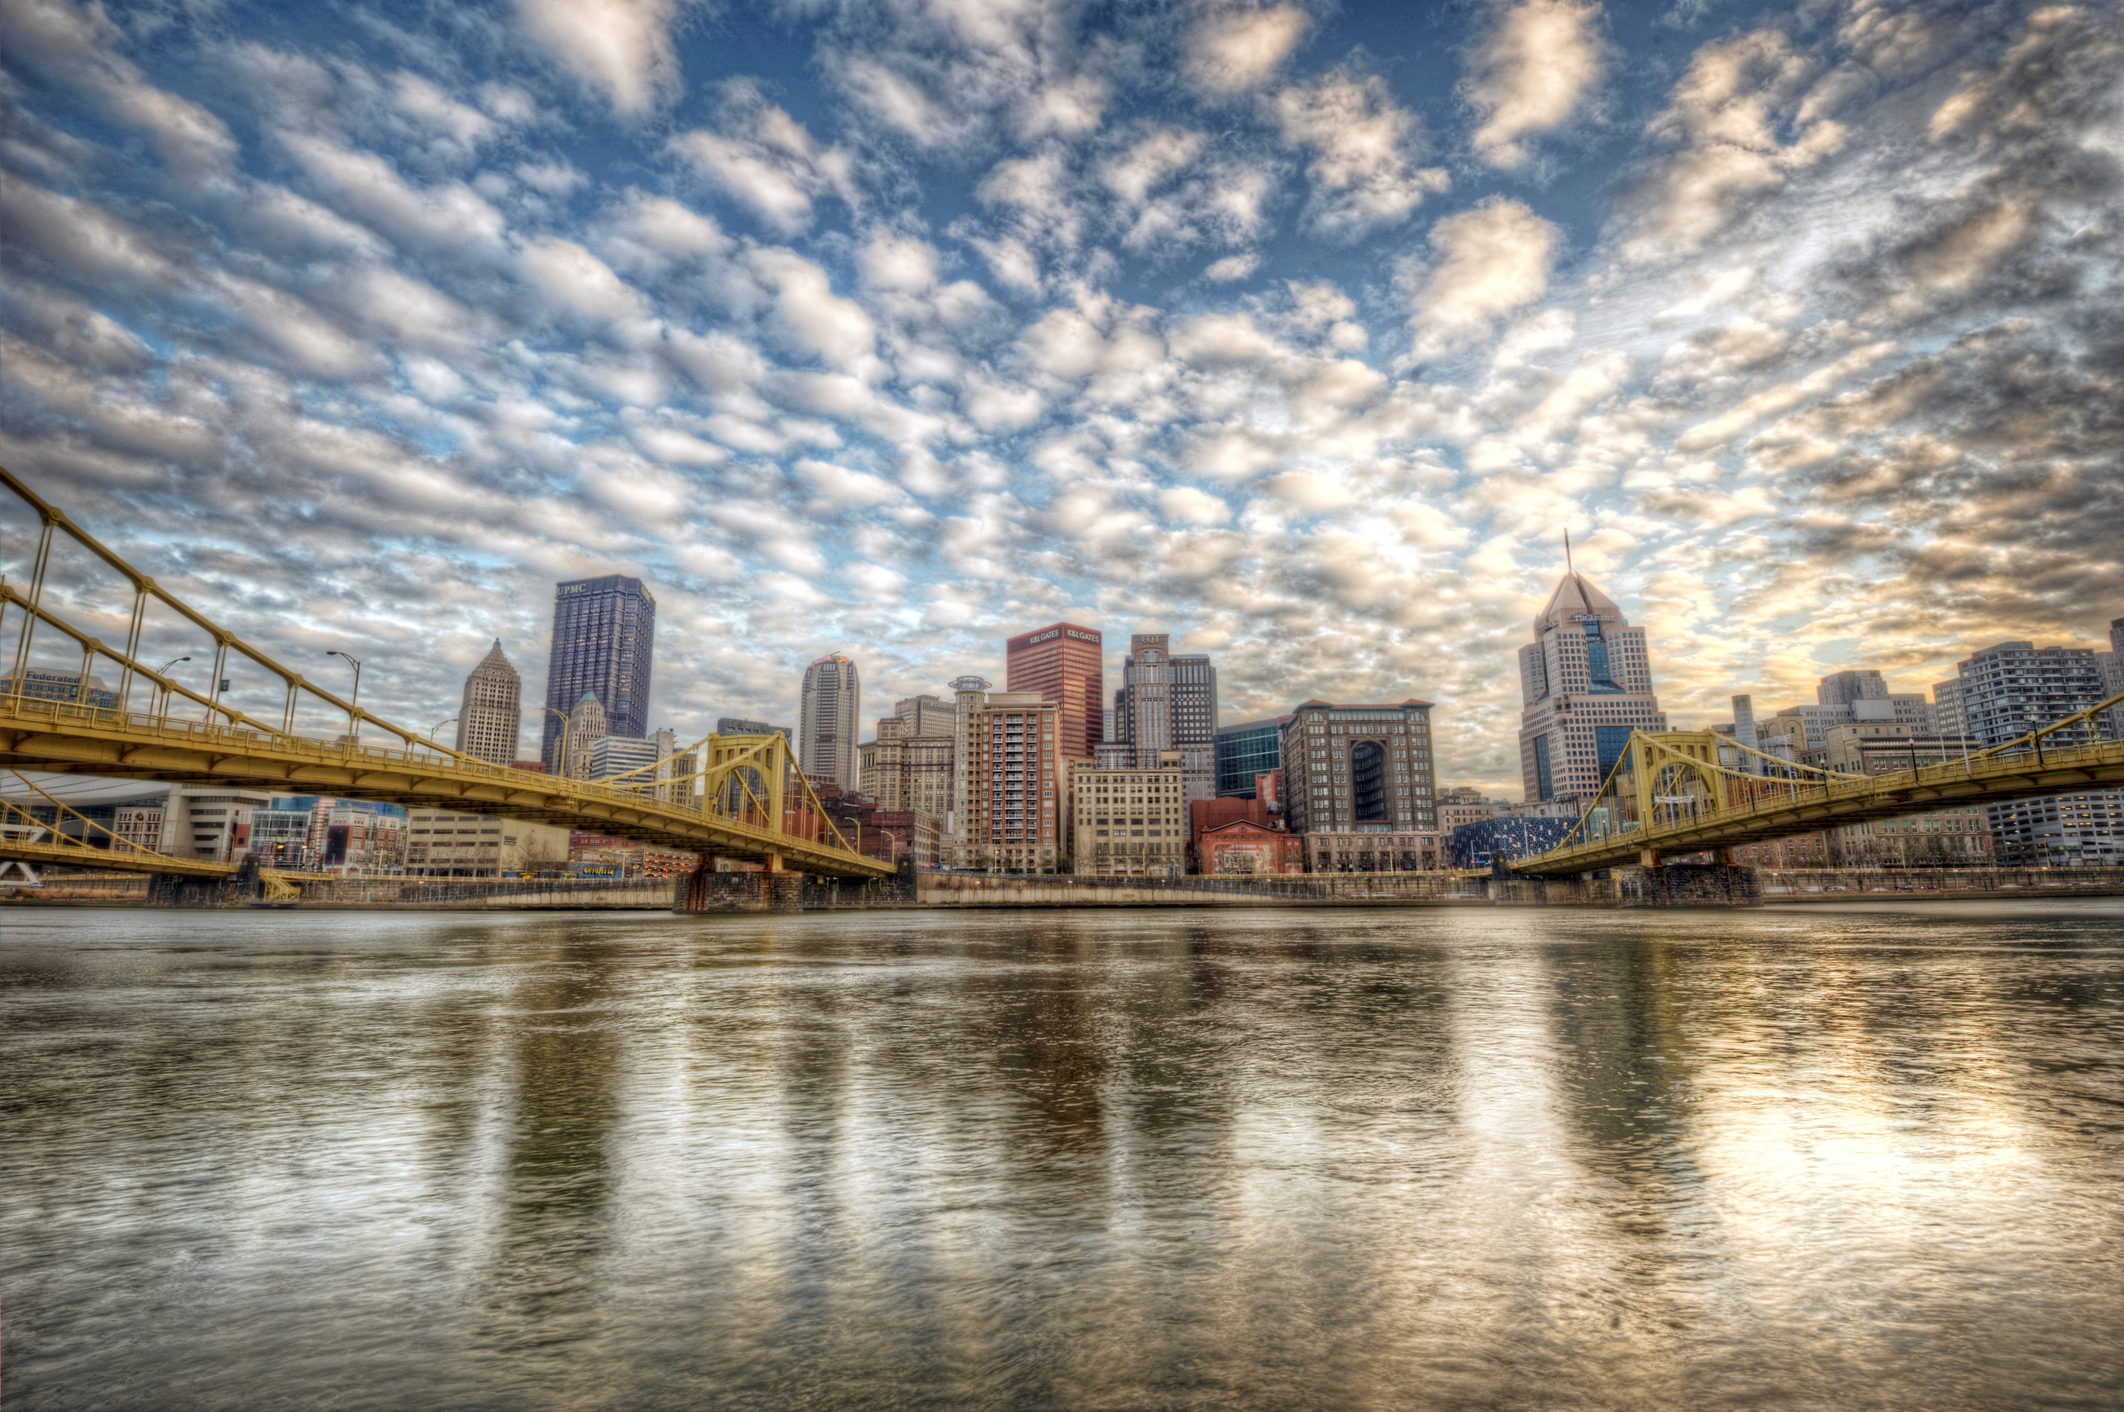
(2112, 668)
(491, 716)
(1585, 683)
(1064, 663)
(2011, 689)
(604, 635)
(1169, 702)
(1013, 777)
(826, 730)
(1247, 751)
(1358, 784)
(969, 693)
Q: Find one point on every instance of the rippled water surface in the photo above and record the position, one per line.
(1793, 1158)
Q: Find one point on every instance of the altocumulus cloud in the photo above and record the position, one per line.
(927, 323)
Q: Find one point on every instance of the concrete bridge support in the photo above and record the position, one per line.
(769, 890)
(175, 890)
(1676, 885)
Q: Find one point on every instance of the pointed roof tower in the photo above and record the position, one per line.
(494, 659)
(1576, 597)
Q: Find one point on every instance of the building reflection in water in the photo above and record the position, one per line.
(540, 1286)
(1453, 1158)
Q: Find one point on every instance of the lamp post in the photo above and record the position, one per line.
(563, 762)
(354, 701)
(165, 671)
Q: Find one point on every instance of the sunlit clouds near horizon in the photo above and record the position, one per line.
(1301, 332)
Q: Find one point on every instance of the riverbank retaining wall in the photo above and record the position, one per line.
(1674, 885)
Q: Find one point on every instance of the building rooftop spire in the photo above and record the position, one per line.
(1576, 597)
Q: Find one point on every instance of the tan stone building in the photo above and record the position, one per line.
(908, 766)
(443, 843)
(1130, 822)
(1466, 806)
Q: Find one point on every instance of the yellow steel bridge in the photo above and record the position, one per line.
(721, 797)
(1674, 793)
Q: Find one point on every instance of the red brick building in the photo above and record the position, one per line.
(1232, 834)
(1243, 846)
(1066, 665)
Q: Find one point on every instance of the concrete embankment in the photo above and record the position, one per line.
(1676, 885)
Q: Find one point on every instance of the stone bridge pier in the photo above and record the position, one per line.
(755, 890)
(1659, 884)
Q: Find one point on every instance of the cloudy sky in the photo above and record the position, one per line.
(1300, 331)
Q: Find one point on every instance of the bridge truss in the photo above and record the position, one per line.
(721, 796)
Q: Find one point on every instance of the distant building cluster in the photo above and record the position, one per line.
(1052, 774)
(1856, 725)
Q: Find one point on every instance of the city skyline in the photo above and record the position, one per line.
(862, 326)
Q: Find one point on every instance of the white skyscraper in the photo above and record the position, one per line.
(826, 736)
(1586, 683)
(491, 716)
(586, 726)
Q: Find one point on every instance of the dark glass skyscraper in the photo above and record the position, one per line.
(604, 631)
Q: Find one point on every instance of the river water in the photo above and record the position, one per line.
(1794, 1158)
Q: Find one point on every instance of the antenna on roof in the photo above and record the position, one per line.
(1567, 553)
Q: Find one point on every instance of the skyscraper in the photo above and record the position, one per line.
(604, 632)
(1166, 703)
(826, 734)
(1063, 663)
(1586, 683)
(491, 716)
(587, 724)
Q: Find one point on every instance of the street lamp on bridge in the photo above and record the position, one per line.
(354, 701)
